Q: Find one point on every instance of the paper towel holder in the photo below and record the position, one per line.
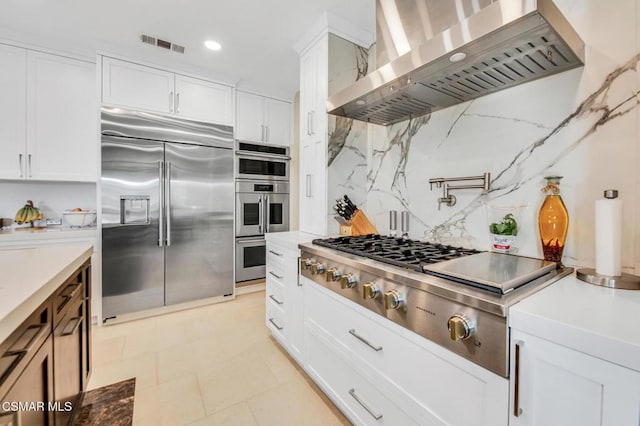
(623, 282)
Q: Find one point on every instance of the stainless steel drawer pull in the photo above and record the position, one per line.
(75, 328)
(274, 324)
(365, 341)
(277, 254)
(516, 380)
(20, 164)
(375, 415)
(275, 300)
(275, 275)
(43, 330)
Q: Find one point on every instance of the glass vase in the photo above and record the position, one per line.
(553, 221)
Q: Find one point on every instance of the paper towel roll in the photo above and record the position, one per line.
(609, 236)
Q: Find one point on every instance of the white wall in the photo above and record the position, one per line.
(51, 197)
(520, 136)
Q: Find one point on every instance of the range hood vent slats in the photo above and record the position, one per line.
(523, 49)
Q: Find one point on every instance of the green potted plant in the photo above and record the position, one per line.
(503, 227)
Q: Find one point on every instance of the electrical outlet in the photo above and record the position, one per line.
(50, 222)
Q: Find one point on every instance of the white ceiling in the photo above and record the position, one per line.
(257, 35)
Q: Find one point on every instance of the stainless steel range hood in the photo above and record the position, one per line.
(497, 44)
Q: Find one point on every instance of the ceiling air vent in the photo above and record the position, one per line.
(154, 41)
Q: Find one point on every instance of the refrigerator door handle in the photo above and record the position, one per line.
(260, 216)
(168, 201)
(161, 204)
(266, 214)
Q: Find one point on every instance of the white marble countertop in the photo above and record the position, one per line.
(31, 275)
(48, 233)
(599, 321)
(290, 239)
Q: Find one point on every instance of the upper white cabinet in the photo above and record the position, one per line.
(49, 117)
(554, 385)
(263, 120)
(13, 83)
(313, 137)
(140, 87)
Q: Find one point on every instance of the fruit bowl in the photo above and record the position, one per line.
(79, 218)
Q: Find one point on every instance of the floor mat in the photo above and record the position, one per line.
(109, 405)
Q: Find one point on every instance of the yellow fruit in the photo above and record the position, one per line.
(28, 214)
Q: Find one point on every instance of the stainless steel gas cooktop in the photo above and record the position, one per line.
(457, 297)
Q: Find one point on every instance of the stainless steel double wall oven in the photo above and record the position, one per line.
(262, 204)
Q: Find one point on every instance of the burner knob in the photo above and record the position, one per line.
(370, 291)
(317, 268)
(348, 281)
(459, 327)
(305, 263)
(333, 274)
(392, 300)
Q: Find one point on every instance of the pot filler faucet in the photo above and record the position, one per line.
(450, 199)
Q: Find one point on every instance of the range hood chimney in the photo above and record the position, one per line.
(432, 54)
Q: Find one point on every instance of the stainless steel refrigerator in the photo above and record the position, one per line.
(167, 211)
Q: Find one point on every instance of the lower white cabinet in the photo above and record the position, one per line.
(555, 385)
(284, 298)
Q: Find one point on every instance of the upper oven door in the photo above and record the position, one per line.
(249, 214)
(261, 166)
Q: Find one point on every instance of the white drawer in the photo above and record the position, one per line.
(275, 320)
(437, 384)
(351, 391)
(276, 293)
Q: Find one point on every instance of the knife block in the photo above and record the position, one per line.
(358, 225)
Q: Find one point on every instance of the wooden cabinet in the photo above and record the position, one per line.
(46, 359)
(49, 117)
(263, 120)
(313, 138)
(554, 385)
(137, 86)
(13, 86)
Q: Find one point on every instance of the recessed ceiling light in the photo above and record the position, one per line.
(360, 102)
(457, 57)
(213, 45)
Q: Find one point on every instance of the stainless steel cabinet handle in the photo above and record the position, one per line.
(168, 202)
(44, 330)
(171, 101)
(161, 204)
(262, 132)
(353, 394)
(516, 380)
(308, 123)
(274, 299)
(20, 164)
(277, 254)
(365, 341)
(308, 186)
(266, 133)
(29, 164)
(313, 124)
(260, 216)
(298, 276)
(275, 275)
(274, 324)
(177, 103)
(250, 241)
(75, 328)
(267, 214)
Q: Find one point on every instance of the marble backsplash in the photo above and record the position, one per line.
(582, 124)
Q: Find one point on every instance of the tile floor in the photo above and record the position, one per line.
(214, 365)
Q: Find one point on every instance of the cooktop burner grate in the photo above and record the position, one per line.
(402, 252)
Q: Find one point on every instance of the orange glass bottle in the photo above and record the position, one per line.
(553, 221)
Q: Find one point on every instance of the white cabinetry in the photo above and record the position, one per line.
(284, 298)
(380, 373)
(13, 86)
(140, 87)
(263, 120)
(49, 117)
(313, 137)
(555, 385)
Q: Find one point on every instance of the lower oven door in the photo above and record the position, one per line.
(250, 258)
